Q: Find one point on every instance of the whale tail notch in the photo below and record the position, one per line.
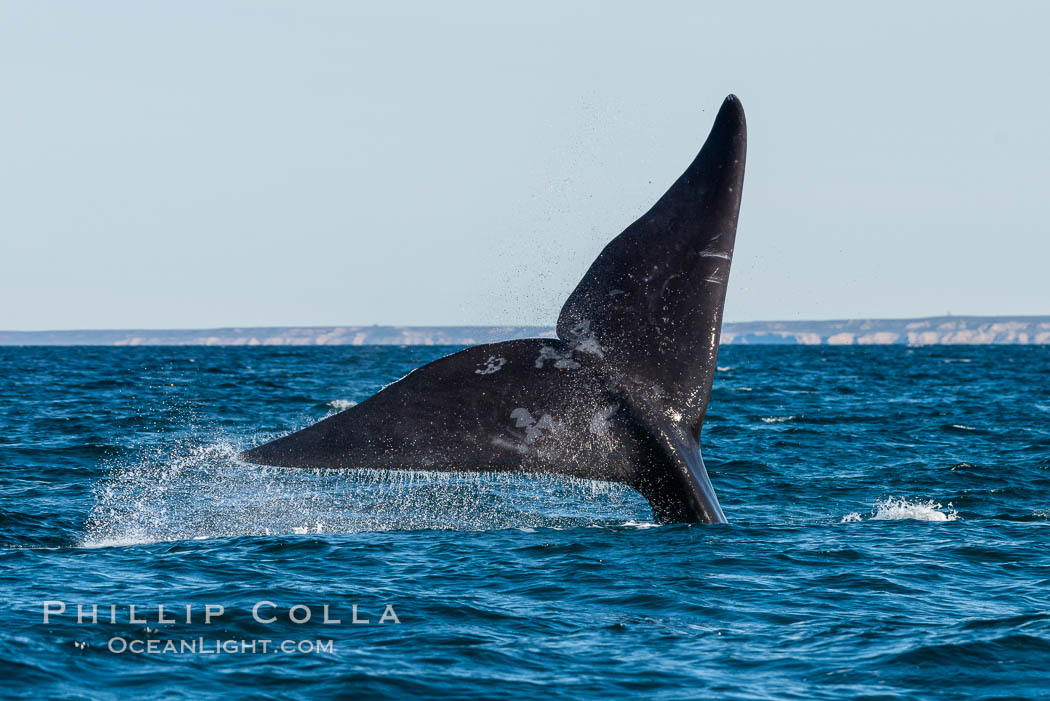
(620, 395)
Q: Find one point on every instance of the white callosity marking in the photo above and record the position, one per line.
(522, 417)
(492, 364)
(591, 346)
(583, 339)
(533, 432)
(600, 420)
(533, 428)
(562, 361)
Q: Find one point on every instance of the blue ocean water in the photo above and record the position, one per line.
(888, 538)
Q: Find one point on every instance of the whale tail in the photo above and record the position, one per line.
(620, 395)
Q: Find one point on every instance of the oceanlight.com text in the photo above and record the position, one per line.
(206, 646)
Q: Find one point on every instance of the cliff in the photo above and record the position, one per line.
(927, 331)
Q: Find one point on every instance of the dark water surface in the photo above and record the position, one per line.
(889, 537)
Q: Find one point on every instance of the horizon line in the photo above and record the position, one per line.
(1018, 317)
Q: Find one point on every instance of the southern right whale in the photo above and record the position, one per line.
(621, 393)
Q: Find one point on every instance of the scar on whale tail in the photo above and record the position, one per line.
(621, 393)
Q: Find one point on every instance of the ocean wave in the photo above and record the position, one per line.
(973, 652)
(785, 602)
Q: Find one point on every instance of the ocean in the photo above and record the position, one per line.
(888, 538)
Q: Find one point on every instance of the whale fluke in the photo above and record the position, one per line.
(620, 395)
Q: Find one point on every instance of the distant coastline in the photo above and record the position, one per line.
(941, 330)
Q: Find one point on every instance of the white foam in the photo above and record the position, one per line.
(642, 525)
(900, 508)
(341, 404)
(119, 541)
(778, 419)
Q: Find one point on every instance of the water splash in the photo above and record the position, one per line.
(901, 508)
(342, 404)
(192, 491)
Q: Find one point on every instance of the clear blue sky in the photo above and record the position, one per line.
(195, 164)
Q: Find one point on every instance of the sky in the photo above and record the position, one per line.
(213, 163)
